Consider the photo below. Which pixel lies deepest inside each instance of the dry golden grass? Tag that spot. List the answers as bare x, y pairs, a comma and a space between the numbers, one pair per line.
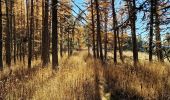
20, 67
74, 80
148, 81
84, 78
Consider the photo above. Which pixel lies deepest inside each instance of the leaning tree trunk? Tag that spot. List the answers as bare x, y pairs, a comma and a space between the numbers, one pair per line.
54, 35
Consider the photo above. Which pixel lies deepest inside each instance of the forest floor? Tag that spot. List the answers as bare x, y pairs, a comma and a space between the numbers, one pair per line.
80, 77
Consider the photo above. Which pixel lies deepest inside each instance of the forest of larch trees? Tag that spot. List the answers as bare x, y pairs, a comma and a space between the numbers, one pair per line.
84, 49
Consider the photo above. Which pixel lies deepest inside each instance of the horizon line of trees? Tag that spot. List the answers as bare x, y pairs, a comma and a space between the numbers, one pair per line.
33, 28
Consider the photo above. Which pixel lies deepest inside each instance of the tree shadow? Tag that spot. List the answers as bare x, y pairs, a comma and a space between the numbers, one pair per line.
121, 94
118, 93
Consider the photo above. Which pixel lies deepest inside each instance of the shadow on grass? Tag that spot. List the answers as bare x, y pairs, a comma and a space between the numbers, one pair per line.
118, 93
121, 94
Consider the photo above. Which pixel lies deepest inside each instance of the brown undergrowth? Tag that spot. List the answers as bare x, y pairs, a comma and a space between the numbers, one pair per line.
80, 77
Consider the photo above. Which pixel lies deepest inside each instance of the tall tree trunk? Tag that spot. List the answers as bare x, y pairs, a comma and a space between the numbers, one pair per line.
14, 30
30, 36
50, 31
42, 38
21, 33
1, 40
8, 37
11, 25
45, 39
97, 38
158, 35
98, 31
115, 30
54, 34
151, 32
93, 29
133, 18
28, 28
37, 27
105, 37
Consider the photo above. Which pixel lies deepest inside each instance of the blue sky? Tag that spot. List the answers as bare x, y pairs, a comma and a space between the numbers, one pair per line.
80, 4
139, 24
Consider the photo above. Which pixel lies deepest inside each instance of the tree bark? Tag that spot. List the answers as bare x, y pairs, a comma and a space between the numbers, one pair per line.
61, 40
8, 37
14, 30
11, 25
115, 30
132, 15
30, 47
151, 31
45, 39
98, 31
120, 46
105, 37
93, 29
158, 35
54, 34
1, 40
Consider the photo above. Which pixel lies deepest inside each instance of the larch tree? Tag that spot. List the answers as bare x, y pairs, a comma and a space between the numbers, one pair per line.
93, 28
105, 28
133, 29
132, 16
30, 54
151, 29
115, 30
45, 36
1, 39
14, 36
54, 34
99, 41
8, 35
157, 31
